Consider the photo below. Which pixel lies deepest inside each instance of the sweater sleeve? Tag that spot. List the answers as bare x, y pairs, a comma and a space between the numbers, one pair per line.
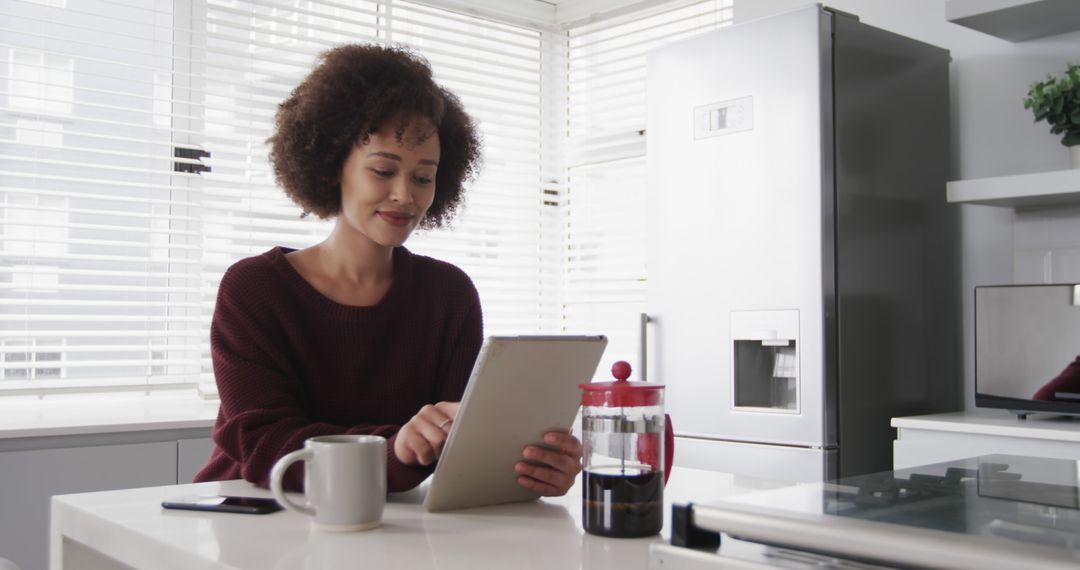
262, 414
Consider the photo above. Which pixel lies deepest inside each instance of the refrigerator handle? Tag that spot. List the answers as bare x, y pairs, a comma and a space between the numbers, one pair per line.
643, 347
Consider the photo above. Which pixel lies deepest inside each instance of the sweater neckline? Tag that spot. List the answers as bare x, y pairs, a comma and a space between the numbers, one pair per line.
402, 259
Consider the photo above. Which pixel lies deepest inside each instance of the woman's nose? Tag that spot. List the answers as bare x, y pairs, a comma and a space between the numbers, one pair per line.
401, 191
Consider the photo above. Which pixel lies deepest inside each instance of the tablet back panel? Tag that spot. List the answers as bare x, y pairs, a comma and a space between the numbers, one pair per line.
521, 387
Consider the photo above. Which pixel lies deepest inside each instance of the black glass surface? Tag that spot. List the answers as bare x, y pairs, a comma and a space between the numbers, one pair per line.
1029, 499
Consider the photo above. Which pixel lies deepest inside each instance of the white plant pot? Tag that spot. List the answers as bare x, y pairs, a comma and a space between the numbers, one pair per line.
1074, 156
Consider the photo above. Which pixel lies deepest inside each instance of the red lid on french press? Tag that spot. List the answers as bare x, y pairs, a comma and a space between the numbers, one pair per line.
620, 393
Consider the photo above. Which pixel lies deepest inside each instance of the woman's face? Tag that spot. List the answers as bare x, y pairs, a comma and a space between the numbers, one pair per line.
388, 185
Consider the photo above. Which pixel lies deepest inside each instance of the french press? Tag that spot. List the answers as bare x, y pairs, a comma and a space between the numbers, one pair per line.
625, 436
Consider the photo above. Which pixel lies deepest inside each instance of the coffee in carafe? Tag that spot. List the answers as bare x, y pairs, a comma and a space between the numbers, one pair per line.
627, 452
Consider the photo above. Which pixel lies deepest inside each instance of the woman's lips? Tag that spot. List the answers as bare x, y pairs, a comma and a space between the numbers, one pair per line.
395, 218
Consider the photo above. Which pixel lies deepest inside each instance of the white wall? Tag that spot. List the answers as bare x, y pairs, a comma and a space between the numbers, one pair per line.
992, 135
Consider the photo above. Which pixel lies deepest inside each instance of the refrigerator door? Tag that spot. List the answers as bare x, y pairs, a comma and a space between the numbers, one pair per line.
739, 134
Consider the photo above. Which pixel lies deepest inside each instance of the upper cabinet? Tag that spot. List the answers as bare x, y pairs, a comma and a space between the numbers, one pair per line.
1016, 20
1036, 190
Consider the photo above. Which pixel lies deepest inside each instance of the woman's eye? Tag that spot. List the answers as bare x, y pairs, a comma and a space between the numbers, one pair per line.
382, 173
424, 180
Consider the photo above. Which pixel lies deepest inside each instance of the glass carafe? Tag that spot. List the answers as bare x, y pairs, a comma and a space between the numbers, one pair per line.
627, 451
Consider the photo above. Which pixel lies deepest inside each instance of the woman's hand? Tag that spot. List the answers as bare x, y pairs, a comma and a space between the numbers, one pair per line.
550, 471
420, 441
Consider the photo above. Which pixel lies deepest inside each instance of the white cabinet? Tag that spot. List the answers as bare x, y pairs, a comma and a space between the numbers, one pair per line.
33, 469
71, 446
191, 455
921, 440
29, 478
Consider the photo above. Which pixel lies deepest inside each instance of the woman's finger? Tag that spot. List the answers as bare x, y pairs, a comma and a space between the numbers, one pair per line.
543, 480
449, 409
433, 436
555, 459
425, 453
441, 415
565, 442
421, 439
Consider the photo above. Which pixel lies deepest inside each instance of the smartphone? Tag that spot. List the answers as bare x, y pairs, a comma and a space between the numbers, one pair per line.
224, 504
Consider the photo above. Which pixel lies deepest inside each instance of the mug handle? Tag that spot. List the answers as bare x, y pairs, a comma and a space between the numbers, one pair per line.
278, 472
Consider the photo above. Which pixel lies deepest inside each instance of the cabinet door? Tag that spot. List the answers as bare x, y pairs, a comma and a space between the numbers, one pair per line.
29, 478
915, 447
191, 455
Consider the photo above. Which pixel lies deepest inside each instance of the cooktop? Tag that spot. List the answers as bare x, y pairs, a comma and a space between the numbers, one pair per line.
990, 511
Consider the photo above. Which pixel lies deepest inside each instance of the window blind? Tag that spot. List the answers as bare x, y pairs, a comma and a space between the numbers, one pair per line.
257, 51
498, 239
133, 172
604, 265
98, 265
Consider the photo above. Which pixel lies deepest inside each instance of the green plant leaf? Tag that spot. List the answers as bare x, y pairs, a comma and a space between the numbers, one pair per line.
1057, 101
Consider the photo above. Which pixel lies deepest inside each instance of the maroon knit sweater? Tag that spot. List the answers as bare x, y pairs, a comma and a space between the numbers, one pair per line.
292, 364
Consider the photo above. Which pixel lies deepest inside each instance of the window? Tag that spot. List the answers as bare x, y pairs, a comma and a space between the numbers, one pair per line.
40, 81
31, 360
44, 133
605, 273
498, 239
255, 55
133, 170
98, 261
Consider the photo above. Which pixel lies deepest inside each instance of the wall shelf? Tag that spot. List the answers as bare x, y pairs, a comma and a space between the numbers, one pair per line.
1036, 190
1015, 20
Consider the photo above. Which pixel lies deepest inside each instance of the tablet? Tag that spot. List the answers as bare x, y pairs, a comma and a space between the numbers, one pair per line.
521, 387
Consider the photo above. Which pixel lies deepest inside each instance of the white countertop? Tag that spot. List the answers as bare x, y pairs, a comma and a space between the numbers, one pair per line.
21, 417
996, 422
130, 526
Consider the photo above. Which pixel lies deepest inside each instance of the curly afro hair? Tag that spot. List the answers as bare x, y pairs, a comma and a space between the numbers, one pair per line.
352, 92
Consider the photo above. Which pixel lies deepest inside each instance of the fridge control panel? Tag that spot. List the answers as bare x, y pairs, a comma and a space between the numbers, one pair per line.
724, 117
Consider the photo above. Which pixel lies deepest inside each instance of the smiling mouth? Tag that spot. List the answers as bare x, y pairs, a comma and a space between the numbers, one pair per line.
395, 219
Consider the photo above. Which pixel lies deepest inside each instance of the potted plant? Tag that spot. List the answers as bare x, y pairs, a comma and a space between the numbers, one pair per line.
1057, 101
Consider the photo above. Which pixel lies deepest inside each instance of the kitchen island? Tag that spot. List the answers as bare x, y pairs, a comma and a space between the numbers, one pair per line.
993, 511
129, 529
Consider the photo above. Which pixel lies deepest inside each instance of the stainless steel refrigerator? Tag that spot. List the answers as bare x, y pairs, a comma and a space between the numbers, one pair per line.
803, 262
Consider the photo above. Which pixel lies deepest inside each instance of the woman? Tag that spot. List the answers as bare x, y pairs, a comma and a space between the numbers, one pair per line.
356, 334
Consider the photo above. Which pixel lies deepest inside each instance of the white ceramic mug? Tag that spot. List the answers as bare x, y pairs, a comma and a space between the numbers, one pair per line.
344, 481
